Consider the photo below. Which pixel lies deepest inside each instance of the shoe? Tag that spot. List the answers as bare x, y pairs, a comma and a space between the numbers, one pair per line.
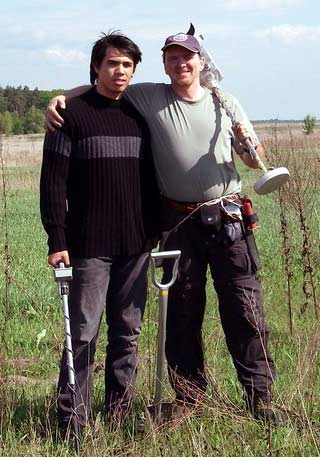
266, 412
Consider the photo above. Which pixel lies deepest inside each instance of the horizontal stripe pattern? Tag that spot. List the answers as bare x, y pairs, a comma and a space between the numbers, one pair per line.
100, 147
58, 142
100, 163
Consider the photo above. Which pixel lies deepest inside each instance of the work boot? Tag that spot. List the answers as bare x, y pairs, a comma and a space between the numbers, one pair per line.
265, 411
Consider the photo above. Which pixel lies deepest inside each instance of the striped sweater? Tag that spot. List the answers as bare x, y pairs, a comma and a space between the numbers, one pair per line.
98, 195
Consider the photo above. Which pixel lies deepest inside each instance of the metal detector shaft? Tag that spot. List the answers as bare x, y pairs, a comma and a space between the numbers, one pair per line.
63, 275
210, 77
163, 305
211, 84
252, 151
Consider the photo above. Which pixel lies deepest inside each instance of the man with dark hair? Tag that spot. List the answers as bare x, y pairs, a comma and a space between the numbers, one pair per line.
98, 207
193, 144
115, 40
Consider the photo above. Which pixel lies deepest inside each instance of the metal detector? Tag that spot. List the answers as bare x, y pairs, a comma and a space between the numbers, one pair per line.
156, 410
210, 77
63, 275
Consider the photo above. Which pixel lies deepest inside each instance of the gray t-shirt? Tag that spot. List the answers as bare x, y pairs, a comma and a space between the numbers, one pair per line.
191, 142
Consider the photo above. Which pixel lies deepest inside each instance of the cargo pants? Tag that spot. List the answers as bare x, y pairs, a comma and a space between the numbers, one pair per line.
233, 269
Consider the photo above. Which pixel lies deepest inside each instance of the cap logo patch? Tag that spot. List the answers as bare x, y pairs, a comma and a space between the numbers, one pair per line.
180, 37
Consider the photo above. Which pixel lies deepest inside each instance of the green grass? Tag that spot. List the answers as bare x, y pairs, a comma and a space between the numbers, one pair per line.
31, 327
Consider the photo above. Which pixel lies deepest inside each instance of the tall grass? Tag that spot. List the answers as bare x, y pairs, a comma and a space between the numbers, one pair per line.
32, 333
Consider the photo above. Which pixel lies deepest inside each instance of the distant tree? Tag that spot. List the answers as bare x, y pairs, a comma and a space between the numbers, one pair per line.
21, 109
3, 104
33, 121
6, 123
309, 124
17, 124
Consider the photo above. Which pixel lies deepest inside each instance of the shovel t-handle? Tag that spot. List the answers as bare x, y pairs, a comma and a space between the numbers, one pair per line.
175, 255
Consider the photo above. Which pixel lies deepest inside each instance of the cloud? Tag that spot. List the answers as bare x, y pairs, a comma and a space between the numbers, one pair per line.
256, 5
293, 35
65, 55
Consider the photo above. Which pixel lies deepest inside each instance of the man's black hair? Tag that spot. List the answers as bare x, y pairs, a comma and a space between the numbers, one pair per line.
116, 40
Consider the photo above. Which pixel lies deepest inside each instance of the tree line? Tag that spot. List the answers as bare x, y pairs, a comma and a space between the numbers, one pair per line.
22, 109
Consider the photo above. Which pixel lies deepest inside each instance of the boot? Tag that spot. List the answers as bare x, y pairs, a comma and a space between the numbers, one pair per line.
264, 410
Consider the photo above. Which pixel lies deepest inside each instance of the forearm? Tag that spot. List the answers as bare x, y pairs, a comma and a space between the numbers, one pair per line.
53, 190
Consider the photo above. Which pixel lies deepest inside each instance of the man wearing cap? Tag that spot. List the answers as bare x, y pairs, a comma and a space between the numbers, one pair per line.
193, 142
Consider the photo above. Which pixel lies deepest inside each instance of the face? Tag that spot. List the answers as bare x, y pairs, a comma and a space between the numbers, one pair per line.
182, 66
114, 73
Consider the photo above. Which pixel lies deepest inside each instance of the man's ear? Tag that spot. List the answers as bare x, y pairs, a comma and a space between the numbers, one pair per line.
96, 69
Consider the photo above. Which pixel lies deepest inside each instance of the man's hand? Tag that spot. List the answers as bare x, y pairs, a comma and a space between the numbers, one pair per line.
53, 119
56, 257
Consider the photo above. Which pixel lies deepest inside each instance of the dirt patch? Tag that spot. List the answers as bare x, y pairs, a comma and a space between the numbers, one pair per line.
21, 150
17, 363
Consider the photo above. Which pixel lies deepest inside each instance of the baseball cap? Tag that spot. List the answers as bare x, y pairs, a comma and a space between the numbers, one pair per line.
184, 40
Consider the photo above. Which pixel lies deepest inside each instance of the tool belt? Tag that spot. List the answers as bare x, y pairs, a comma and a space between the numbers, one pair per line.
211, 214
188, 207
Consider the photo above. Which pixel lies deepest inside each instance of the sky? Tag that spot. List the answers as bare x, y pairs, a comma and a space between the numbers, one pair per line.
267, 50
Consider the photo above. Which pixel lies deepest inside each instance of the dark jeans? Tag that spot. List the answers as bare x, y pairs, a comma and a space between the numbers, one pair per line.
234, 275
120, 285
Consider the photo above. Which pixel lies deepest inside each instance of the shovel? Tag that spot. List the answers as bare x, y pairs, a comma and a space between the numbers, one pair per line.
156, 410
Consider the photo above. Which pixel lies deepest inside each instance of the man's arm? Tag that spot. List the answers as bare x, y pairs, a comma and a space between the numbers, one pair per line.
140, 95
53, 119
53, 193
243, 132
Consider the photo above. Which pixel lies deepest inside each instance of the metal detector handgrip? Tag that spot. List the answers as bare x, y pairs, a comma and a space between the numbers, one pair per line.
160, 256
63, 275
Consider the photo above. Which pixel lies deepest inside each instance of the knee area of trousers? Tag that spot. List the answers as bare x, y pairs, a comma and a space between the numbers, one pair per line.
124, 333
188, 287
255, 320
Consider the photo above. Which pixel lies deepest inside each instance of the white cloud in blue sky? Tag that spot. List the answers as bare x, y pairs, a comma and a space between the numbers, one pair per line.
267, 49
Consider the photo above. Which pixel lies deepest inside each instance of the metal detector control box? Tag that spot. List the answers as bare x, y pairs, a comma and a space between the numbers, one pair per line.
62, 273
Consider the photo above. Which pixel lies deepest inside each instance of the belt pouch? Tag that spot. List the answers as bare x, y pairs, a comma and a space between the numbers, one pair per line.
211, 216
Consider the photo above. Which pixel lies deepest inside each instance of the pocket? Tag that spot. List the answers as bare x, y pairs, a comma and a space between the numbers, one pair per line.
240, 264
253, 252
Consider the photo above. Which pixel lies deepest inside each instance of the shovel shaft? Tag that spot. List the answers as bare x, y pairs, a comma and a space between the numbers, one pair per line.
163, 305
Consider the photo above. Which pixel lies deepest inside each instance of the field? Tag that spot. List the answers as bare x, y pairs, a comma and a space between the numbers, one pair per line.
31, 326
